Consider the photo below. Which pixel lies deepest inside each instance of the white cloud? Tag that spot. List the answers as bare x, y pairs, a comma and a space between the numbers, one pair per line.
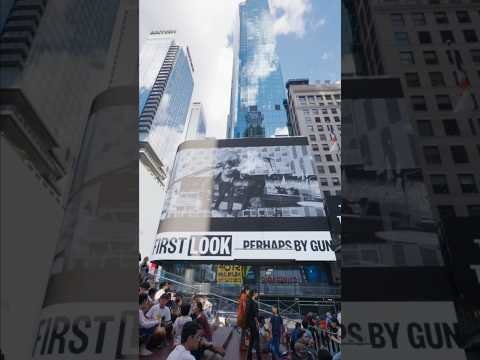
290, 16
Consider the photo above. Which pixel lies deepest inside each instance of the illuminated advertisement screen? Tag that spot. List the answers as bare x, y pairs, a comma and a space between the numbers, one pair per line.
243, 199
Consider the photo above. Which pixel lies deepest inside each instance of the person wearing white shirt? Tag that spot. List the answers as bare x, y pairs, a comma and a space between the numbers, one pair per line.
161, 313
180, 322
190, 341
147, 327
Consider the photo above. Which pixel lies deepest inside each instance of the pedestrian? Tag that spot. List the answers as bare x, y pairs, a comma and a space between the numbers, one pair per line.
253, 324
242, 316
189, 341
276, 329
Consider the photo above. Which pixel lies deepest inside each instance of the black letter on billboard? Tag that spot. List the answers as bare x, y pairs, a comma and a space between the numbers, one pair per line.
101, 331
59, 335
80, 334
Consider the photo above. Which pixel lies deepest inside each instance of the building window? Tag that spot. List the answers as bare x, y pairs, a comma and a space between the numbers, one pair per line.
310, 128
317, 157
336, 118
413, 80
277, 107
475, 54
473, 210
315, 147
336, 181
430, 57
302, 100
401, 38
323, 181
432, 155
406, 58
443, 102
467, 183
332, 169
418, 19
313, 138
334, 111
424, 128
463, 17
459, 154
446, 211
318, 119
451, 127
436, 79
311, 100
315, 112
397, 19
470, 35
328, 97
320, 127
326, 119
441, 17
439, 184
328, 157
418, 103
447, 36
323, 137
324, 111
424, 37
321, 169
336, 96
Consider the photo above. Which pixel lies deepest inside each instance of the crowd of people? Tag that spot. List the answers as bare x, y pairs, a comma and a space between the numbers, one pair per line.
313, 338
167, 320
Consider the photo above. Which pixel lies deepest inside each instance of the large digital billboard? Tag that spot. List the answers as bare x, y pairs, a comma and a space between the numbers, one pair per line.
244, 199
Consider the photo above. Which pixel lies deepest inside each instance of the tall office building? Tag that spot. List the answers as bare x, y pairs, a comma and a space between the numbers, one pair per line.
197, 126
433, 46
256, 108
166, 87
314, 112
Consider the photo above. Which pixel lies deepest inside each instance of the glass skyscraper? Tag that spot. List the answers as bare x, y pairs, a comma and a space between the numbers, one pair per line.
258, 90
166, 87
197, 127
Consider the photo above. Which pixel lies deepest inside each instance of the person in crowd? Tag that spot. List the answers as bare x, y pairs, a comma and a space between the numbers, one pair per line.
147, 327
144, 287
180, 321
162, 313
164, 286
195, 299
151, 295
144, 267
177, 306
335, 332
276, 329
202, 320
190, 339
300, 352
252, 324
296, 335
241, 316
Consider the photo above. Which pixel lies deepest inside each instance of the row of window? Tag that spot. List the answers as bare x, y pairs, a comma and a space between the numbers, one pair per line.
324, 111
330, 169
467, 182
425, 37
324, 181
326, 119
450, 127
313, 99
446, 211
444, 103
441, 18
431, 57
458, 152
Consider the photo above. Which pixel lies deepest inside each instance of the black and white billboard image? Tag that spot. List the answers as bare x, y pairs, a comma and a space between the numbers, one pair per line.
249, 199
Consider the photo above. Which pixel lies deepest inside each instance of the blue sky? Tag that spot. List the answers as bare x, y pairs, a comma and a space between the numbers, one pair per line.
317, 54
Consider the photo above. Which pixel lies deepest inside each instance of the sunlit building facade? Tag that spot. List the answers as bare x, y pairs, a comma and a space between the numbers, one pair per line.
256, 108
196, 127
165, 92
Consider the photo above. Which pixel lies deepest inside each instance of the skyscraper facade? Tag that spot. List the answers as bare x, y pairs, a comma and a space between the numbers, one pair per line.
314, 111
256, 108
196, 127
166, 87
